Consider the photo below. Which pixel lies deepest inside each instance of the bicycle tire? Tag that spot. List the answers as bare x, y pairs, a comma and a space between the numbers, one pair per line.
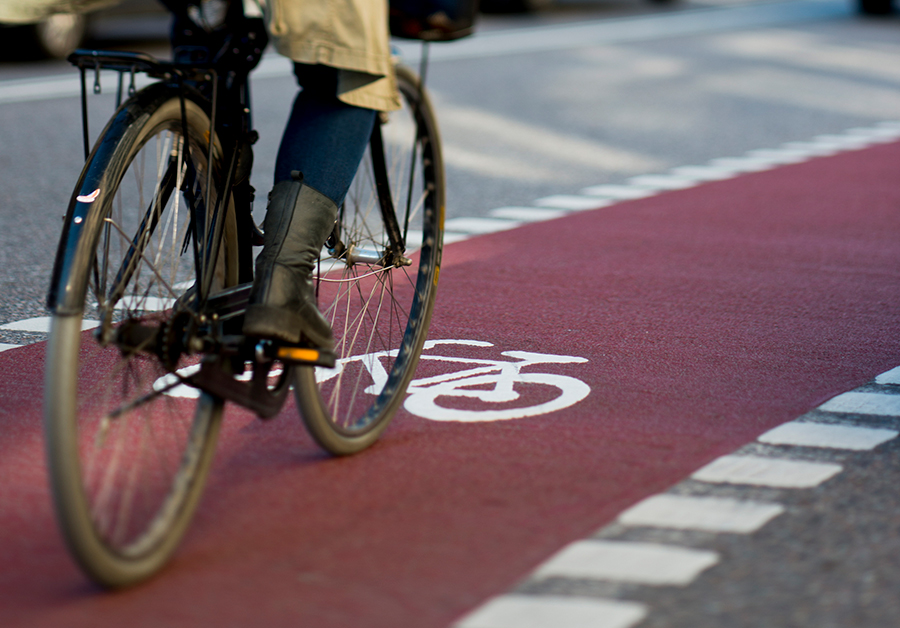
128, 450
380, 314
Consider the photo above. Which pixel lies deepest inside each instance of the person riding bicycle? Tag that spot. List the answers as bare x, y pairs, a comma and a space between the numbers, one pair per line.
342, 63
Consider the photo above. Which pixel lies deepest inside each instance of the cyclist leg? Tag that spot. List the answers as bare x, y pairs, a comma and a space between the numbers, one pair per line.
320, 151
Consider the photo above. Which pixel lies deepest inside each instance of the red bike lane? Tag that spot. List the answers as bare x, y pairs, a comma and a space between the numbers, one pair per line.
706, 316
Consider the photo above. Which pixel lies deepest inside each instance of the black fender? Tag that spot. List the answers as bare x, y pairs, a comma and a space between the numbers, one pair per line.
93, 195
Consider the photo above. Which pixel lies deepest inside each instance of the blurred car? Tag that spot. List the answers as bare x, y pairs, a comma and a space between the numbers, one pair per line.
57, 34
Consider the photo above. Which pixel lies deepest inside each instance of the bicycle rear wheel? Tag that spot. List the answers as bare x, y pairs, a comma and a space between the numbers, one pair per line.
379, 311
129, 444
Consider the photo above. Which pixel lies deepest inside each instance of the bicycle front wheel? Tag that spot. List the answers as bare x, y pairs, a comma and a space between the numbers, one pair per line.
128, 443
379, 310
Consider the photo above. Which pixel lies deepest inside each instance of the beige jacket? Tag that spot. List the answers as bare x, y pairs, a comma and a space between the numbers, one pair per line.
351, 35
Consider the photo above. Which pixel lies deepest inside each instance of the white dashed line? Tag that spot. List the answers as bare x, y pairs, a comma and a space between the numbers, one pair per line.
479, 225
663, 182
743, 164
527, 214
813, 149
41, 324
705, 173
757, 471
889, 377
572, 202
618, 192
846, 142
626, 561
527, 611
450, 238
806, 434
711, 514
864, 403
781, 155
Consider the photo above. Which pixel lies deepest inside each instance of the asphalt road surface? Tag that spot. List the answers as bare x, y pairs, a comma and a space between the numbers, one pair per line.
698, 319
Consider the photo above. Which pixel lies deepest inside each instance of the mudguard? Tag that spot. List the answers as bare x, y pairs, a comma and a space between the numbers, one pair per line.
93, 195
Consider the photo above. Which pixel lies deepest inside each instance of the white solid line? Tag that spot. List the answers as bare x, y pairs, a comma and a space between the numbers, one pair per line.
479, 225
41, 324
546, 611
773, 472
575, 203
642, 563
527, 214
712, 514
663, 182
618, 192
6, 347
864, 403
804, 434
889, 377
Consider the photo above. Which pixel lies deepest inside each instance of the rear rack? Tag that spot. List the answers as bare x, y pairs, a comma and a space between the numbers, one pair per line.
132, 63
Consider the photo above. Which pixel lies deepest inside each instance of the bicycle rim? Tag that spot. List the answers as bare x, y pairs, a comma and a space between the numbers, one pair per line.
128, 444
379, 313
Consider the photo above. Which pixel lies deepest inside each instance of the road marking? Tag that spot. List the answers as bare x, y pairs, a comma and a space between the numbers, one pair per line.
814, 149
704, 173
806, 434
41, 324
773, 472
889, 377
527, 214
6, 347
711, 514
618, 192
743, 164
864, 403
781, 155
525, 611
626, 561
663, 182
480, 225
575, 203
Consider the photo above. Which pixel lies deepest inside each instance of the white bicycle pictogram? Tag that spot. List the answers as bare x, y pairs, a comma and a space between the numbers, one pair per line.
490, 382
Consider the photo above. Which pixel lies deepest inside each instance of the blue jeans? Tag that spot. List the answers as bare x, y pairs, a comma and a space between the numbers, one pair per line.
325, 138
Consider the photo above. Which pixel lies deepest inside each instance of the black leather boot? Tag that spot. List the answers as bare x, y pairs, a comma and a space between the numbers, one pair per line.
282, 301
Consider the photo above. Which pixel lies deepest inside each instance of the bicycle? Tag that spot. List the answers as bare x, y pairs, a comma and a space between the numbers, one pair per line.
151, 280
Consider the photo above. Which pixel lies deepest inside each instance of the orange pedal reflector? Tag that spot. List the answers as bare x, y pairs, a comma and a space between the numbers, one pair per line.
298, 354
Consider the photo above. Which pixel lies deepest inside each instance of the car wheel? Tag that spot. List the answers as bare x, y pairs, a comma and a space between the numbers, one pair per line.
59, 34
